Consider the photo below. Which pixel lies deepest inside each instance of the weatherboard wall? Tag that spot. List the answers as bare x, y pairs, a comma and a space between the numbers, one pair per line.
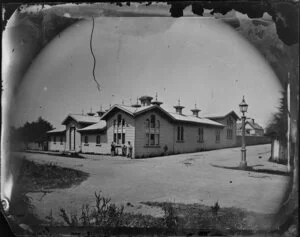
166, 135
92, 146
129, 130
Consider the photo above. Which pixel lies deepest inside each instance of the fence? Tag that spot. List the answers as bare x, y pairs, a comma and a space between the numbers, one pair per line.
253, 140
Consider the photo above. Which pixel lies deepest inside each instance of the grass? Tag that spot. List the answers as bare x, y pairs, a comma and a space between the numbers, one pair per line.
219, 220
35, 177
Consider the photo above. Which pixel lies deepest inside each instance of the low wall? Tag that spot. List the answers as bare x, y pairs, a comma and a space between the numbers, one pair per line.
253, 140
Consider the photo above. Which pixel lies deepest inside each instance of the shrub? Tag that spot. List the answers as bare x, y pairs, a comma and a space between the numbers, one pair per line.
103, 214
170, 218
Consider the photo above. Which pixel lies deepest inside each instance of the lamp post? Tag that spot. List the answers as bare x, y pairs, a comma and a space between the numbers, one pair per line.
243, 109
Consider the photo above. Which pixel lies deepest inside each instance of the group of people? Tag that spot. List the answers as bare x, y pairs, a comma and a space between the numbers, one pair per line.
126, 150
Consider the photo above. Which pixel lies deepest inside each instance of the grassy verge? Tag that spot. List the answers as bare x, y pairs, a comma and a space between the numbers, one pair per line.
35, 177
216, 219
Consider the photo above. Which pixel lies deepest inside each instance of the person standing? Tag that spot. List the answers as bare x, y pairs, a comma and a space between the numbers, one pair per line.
129, 150
124, 150
113, 149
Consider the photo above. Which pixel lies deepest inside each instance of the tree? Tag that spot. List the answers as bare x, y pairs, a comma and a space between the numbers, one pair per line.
277, 128
34, 131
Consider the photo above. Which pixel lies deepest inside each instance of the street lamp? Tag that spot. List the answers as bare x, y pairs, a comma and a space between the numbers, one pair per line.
243, 109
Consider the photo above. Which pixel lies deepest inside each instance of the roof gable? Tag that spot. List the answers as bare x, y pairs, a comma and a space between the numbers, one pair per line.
174, 117
232, 113
79, 118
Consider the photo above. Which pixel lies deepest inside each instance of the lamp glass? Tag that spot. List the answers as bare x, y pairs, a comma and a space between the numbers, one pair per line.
243, 106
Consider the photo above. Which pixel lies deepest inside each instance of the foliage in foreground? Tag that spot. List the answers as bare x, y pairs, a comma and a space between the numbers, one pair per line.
34, 176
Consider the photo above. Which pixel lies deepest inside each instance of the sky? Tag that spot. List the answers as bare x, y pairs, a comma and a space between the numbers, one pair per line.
196, 60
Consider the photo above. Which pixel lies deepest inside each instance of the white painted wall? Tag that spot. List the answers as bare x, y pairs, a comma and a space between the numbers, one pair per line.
57, 146
92, 147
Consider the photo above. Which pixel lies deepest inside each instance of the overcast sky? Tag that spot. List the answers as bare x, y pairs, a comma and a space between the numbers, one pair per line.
198, 60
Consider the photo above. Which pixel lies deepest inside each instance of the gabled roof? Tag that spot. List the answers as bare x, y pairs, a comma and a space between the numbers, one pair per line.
253, 125
173, 116
212, 116
60, 129
194, 119
97, 126
79, 118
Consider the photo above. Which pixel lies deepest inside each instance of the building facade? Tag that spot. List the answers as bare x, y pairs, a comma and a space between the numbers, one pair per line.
149, 128
251, 128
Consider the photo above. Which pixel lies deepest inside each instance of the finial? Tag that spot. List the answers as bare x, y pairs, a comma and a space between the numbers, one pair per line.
156, 96
179, 101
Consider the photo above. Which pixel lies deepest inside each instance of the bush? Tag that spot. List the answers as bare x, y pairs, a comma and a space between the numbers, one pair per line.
170, 219
103, 214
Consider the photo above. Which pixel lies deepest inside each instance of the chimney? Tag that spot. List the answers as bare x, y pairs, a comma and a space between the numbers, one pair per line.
253, 121
195, 111
100, 112
178, 108
91, 113
146, 100
137, 105
156, 102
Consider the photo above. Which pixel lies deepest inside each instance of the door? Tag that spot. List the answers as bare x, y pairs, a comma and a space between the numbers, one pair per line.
72, 139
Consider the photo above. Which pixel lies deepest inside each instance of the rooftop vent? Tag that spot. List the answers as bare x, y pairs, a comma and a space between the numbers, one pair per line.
178, 108
146, 100
156, 102
195, 111
91, 113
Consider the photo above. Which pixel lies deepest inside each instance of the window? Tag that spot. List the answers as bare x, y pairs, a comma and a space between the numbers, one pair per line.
230, 122
119, 120
123, 138
86, 139
61, 140
217, 136
98, 140
157, 124
152, 135
152, 121
119, 138
152, 139
229, 134
54, 139
147, 123
157, 139
200, 135
119, 130
180, 133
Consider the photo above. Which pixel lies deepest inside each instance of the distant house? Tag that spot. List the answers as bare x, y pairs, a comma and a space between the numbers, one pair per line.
150, 129
251, 128
57, 139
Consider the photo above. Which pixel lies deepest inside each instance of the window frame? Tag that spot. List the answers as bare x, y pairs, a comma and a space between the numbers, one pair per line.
86, 140
98, 139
